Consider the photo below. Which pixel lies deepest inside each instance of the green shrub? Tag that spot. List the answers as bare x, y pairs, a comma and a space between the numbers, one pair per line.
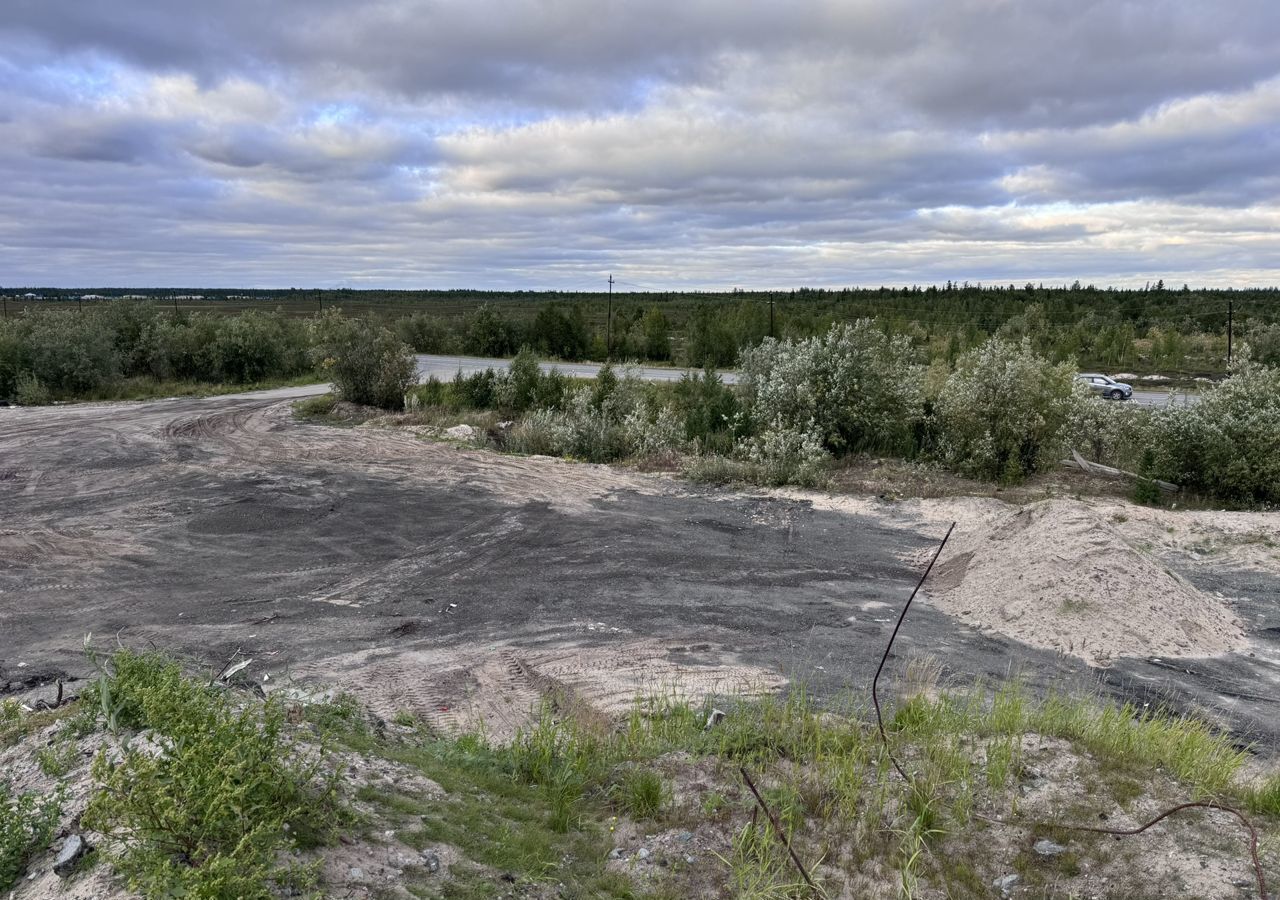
854, 388
206, 805
1225, 445
560, 333
27, 823
426, 334
525, 386
252, 346
489, 334
657, 334
1114, 434
479, 390
710, 410
315, 407
368, 364
70, 352
722, 470
1003, 413
787, 455
30, 390
12, 358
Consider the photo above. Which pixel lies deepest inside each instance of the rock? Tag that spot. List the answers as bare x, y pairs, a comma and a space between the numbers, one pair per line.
714, 719
430, 862
73, 850
461, 432
1048, 848
1005, 883
356, 874
684, 836
642, 853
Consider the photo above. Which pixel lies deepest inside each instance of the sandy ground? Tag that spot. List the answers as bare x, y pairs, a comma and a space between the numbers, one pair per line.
1057, 575
423, 575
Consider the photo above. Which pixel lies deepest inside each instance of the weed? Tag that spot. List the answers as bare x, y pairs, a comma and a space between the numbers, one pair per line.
641, 794
27, 822
57, 760
1001, 755
1265, 797
714, 804
204, 805
315, 407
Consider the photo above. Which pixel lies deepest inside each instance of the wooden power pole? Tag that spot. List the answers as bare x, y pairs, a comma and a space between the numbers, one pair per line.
608, 328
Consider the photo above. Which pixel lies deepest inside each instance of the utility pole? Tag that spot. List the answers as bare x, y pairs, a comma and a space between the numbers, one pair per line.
771, 332
608, 328
1230, 311
5, 298
320, 300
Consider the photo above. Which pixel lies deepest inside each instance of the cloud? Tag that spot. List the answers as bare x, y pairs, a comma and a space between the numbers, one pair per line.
689, 144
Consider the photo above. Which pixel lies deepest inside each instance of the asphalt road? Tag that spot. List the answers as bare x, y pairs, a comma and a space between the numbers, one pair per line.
446, 367
217, 526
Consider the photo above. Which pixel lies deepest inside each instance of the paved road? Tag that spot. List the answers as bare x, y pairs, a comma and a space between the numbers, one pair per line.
446, 367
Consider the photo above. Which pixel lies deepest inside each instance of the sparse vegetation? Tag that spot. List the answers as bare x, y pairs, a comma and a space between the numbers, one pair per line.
206, 797
567, 788
208, 793
27, 823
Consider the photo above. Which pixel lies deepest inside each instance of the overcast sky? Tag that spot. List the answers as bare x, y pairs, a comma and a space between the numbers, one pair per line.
675, 143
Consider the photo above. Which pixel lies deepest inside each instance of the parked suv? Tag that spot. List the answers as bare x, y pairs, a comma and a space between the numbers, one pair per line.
1106, 386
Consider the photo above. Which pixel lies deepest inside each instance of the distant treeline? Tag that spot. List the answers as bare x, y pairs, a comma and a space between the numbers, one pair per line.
72, 346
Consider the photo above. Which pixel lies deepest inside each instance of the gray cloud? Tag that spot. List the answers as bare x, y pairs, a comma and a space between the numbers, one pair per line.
688, 143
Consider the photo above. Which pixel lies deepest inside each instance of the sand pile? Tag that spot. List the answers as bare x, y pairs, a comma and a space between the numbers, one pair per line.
1059, 575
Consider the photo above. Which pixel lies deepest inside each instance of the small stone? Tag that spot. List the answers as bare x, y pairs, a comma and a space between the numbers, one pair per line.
461, 432
642, 853
73, 850
430, 862
1048, 848
714, 719
1005, 883
684, 836
615, 853
356, 874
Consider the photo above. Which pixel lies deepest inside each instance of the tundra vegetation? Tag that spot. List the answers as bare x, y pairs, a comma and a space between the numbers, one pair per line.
1001, 413
1156, 329
996, 404
199, 789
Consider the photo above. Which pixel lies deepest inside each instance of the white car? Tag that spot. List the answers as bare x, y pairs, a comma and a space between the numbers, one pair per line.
1106, 386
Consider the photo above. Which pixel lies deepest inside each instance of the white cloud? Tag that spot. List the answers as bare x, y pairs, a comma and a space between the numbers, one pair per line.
691, 143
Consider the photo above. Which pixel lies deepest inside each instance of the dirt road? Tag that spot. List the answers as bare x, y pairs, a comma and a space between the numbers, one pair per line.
428, 576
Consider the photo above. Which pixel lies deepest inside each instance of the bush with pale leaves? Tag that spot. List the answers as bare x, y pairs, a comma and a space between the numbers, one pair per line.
1003, 412
1228, 444
855, 387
